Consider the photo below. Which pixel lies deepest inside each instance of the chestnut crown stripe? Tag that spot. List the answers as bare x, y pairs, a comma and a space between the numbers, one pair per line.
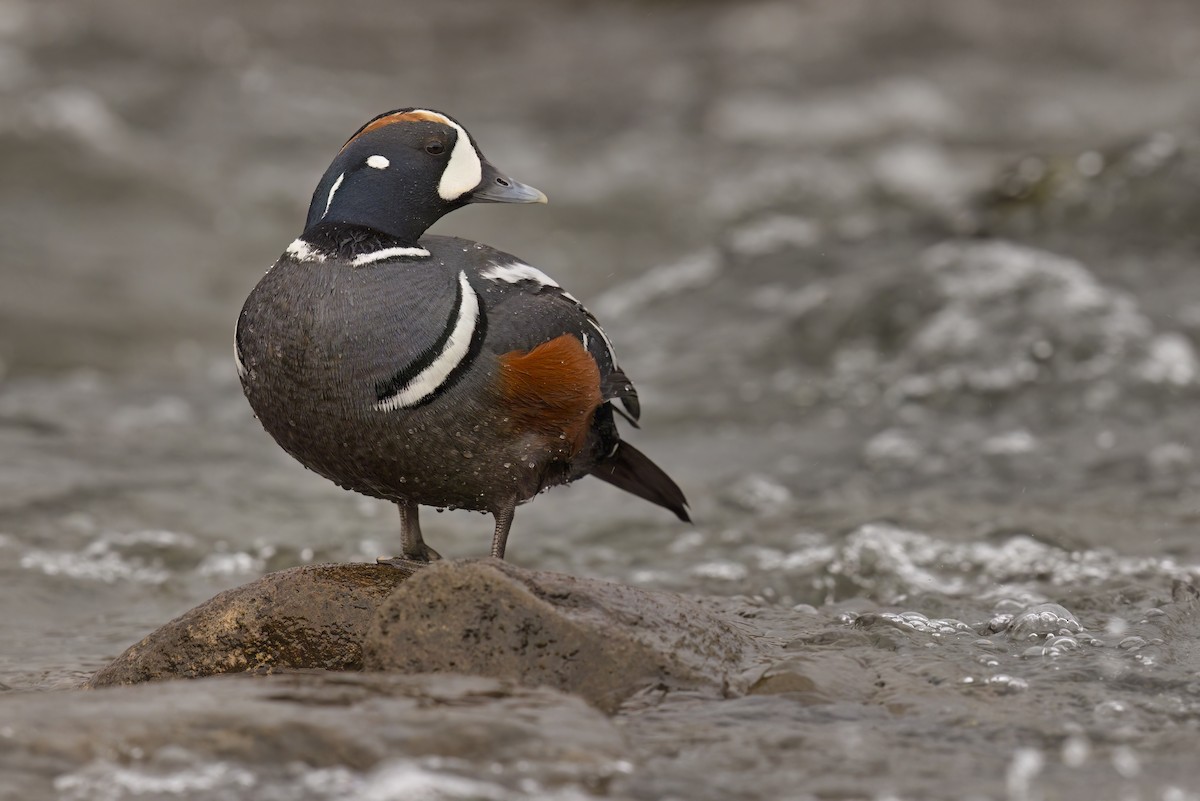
436, 368
413, 115
463, 171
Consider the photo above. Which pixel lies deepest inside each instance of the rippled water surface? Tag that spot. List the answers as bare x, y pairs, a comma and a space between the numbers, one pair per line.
909, 293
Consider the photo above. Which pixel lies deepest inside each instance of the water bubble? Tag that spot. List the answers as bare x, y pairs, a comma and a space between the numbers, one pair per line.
758, 493
1062, 643
1110, 711
1126, 762
917, 622
1090, 163
725, 571
999, 622
1043, 620
1173, 793
1026, 765
1006, 684
1075, 751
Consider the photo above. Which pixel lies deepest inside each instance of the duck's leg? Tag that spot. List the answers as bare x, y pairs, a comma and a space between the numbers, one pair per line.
413, 550
504, 518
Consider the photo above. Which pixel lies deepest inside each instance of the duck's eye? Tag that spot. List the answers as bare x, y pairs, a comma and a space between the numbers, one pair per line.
435, 148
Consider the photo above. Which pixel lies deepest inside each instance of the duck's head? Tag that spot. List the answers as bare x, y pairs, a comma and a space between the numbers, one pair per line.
400, 172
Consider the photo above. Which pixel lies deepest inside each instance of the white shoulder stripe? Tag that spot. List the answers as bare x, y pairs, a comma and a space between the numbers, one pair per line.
516, 272
429, 380
303, 251
389, 253
612, 352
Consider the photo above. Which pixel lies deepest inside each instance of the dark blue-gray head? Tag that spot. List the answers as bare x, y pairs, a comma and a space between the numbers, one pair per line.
404, 170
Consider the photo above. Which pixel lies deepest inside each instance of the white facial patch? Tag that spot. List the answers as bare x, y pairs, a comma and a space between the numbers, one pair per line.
464, 171
379, 162
517, 272
333, 191
429, 380
303, 251
389, 253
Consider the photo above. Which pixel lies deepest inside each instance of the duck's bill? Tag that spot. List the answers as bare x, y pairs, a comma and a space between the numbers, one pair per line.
499, 188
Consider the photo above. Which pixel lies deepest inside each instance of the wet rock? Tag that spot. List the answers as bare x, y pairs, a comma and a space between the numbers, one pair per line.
307, 617
601, 640
262, 728
819, 677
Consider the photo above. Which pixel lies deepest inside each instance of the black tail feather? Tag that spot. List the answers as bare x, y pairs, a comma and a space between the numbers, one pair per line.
631, 470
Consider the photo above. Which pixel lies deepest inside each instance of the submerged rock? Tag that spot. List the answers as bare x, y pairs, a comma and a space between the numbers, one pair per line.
306, 617
234, 735
601, 640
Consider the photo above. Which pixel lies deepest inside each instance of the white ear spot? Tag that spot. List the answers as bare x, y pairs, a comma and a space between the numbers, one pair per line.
379, 162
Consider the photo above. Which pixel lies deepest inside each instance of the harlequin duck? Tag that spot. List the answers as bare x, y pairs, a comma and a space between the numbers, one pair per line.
431, 370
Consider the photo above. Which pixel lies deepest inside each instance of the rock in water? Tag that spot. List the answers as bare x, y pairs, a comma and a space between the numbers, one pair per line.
241, 737
306, 617
598, 639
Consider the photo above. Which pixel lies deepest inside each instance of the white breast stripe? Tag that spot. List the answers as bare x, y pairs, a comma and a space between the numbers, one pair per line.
464, 171
332, 191
388, 253
429, 380
237, 358
517, 272
303, 251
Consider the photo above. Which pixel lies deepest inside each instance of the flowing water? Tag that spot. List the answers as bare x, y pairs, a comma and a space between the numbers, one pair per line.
909, 294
